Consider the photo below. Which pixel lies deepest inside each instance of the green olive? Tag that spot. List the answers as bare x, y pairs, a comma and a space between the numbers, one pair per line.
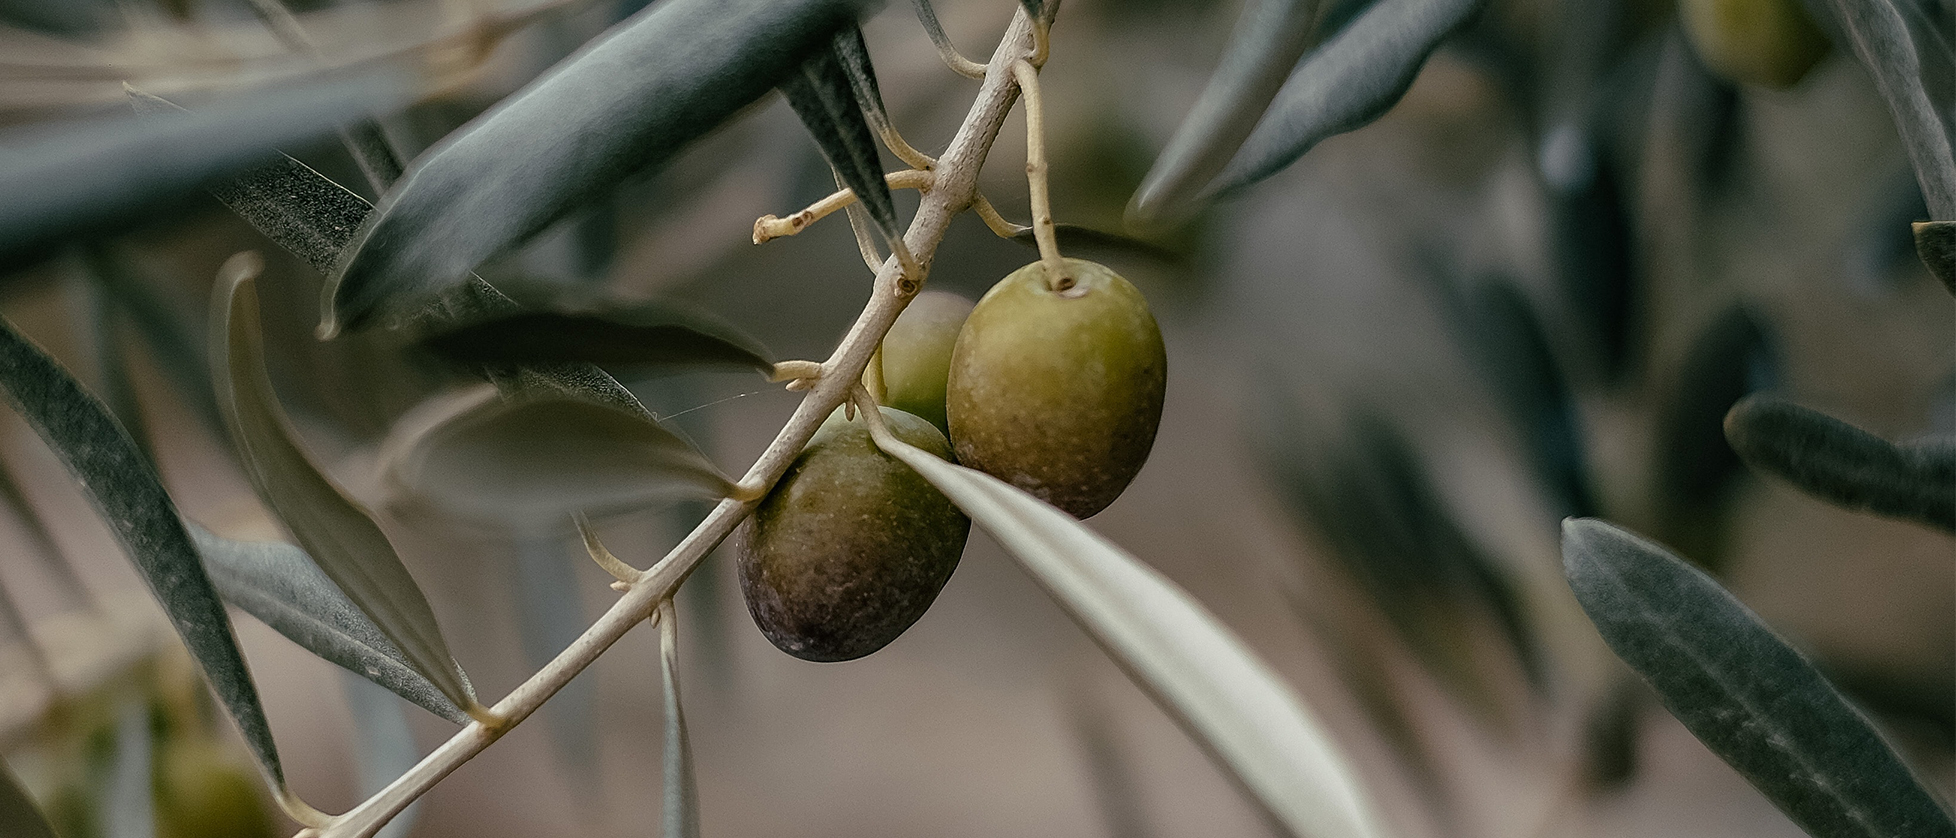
1765, 42
851, 546
1059, 392
202, 793
917, 355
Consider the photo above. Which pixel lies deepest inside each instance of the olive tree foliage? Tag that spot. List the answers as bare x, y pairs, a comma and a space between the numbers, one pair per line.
549, 436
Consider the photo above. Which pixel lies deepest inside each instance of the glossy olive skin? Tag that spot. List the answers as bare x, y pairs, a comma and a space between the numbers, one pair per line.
851, 546
1772, 43
202, 793
917, 355
1059, 392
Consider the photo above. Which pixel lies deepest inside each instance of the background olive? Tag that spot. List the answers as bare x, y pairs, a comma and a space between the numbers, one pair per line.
851, 547
917, 355
202, 793
1765, 42
1059, 392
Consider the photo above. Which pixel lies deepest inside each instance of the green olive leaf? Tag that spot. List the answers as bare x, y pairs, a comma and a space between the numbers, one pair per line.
827, 98
281, 586
1881, 40
1844, 465
332, 528
122, 484
1345, 83
642, 334
627, 101
852, 53
1731, 356
19, 817
1743, 691
1269, 38
534, 461
1177, 651
1935, 243
104, 174
682, 794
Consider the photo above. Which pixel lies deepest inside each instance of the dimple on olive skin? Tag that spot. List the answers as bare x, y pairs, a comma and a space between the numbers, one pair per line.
851, 546
1058, 390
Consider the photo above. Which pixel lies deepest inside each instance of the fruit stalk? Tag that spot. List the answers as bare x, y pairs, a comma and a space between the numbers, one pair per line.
955, 185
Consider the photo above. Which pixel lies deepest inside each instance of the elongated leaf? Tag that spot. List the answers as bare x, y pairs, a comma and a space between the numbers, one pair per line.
682, 795
1268, 39
124, 487
19, 817
1935, 242
1881, 40
852, 52
173, 338
643, 335
627, 101
108, 173
384, 746
535, 461
1344, 84
1845, 465
1732, 356
825, 96
281, 586
1181, 654
1742, 691
339, 535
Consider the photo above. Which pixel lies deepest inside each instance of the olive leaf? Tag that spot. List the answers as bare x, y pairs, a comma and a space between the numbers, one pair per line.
627, 101
1881, 40
643, 334
332, 528
1935, 242
826, 98
682, 794
171, 334
1593, 246
19, 817
852, 52
1345, 83
98, 176
1269, 38
384, 746
1743, 691
1844, 465
281, 586
1731, 356
1174, 649
125, 489
536, 460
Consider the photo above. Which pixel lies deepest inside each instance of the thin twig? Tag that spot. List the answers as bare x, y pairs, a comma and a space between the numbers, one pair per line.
1002, 228
945, 49
1042, 204
768, 227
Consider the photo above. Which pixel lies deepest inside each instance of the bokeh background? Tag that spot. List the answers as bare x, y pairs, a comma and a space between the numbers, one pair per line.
1530, 291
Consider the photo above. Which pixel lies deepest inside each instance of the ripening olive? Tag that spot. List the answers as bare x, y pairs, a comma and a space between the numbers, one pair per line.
1765, 42
202, 793
917, 355
1058, 392
851, 546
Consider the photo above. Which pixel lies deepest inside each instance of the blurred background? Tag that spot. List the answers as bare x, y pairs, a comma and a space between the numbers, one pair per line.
1530, 291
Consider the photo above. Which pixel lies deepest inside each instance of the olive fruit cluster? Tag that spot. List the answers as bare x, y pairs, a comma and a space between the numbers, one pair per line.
1053, 386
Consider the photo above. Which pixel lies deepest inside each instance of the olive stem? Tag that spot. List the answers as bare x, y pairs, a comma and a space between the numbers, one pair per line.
1002, 228
768, 227
956, 182
1042, 204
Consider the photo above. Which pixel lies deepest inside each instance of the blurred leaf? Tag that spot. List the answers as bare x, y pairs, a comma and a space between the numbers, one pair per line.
824, 95
1935, 242
1742, 691
1733, 355
682, 795
1880, 37
1844, 465
129, 805
171, 334
1512, 348
852, 52
339, 535
1593, 243
627, 101
1269, 37
550, 617
1183, 656
281, 586
19, 817
124, 488
1034, 8
1345, 83
384, 746
534, 461
98, 176
644, 334
45, 548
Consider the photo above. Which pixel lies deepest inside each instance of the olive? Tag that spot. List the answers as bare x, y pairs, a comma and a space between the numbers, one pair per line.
851, 546
202, 793
917, 355
1772, 43
1056, 387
